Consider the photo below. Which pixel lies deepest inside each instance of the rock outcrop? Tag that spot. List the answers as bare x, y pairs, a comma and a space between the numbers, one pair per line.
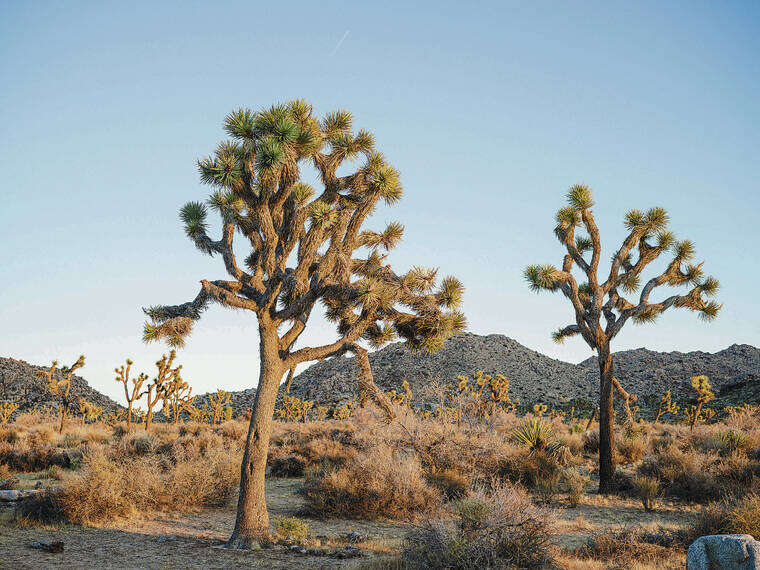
724, 552
19, 383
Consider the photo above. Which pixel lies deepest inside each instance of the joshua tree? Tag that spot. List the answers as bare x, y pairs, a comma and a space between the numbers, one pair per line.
304, 249
157, 389
695, 413
666, 406
62, 387
6, 411
593, 298
217, 402
177, 398
90, 411
131, 395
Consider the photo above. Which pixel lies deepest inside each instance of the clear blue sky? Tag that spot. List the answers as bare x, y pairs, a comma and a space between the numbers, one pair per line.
490, 113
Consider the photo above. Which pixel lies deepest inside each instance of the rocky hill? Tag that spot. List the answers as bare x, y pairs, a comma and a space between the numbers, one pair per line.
646, 372
19, 383
534, 377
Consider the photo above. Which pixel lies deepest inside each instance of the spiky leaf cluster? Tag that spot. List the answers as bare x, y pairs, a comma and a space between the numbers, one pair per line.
306, 245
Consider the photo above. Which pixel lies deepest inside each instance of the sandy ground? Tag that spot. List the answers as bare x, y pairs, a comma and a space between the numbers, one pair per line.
190, 540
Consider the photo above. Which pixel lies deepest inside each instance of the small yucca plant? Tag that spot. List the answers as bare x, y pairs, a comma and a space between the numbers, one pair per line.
536, 435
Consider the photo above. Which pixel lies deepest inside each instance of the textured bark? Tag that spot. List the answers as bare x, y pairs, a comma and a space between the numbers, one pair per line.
606, 431
252, 522
367, 386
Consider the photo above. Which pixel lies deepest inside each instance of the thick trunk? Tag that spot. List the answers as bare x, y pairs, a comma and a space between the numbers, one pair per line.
129, 416
63, 419
252, 522
606, 432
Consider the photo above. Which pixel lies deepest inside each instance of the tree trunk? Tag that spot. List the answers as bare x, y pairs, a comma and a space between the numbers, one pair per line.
252, 522
606, 432
63, 419
129, 416
367, 386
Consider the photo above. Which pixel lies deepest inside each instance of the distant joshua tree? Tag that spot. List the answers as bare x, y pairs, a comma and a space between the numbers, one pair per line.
158, 389
131, 394
177, 398
61, 388
593, 299
304, 249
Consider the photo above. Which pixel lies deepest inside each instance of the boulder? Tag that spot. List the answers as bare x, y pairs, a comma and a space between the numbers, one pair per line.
724, 552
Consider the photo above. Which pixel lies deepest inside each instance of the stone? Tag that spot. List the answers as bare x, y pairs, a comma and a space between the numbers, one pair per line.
724, 552
56, 547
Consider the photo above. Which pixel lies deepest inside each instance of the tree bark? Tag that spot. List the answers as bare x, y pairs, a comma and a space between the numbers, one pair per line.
606, 432
252, 522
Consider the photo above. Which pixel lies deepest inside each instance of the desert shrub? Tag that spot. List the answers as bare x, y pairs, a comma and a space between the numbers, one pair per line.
734, 440
39, 436
576, 484
736, 516
496, 529
452, 483
622, 547
646, 489
42, 508
136, 444
233, 429
289, 466
9, 434
292, 528
529, 468
28, 459
631, 450
684, 474
591, 441
120, 486
547, 487
378, 483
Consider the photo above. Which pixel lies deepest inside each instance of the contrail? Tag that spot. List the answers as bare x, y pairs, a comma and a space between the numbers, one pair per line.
340, 43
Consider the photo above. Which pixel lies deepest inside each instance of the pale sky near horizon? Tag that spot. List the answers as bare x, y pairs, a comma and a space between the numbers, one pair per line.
489, 112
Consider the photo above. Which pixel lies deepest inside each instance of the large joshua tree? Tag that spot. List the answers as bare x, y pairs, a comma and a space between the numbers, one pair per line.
594, 299
303, 248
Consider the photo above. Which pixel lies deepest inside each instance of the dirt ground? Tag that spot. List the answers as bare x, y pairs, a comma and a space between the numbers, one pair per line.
174, 540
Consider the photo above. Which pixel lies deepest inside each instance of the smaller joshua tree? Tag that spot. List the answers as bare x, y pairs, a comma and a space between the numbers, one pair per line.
667, 406
177, 395
217, 402
131, 394
156, 389
90, 410
696, 413
600, 305
61, 388
6, 411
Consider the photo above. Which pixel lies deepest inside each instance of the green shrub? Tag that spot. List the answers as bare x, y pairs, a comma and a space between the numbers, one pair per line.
292, 528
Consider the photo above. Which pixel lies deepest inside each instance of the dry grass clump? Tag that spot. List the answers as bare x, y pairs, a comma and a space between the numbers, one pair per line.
500, 528
297, 447
107, 488
735, 516
684, 474
377, 483
623, 547
452, 483
28, 459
